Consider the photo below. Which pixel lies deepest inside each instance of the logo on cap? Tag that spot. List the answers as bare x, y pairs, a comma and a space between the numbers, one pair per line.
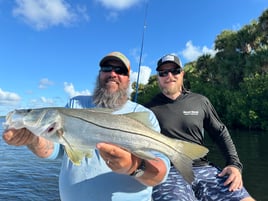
168, 58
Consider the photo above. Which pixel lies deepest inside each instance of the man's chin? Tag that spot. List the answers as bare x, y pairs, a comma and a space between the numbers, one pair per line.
112, 87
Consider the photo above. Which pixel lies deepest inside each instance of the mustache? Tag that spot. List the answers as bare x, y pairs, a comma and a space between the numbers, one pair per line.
111, 79
103, 98
171, 80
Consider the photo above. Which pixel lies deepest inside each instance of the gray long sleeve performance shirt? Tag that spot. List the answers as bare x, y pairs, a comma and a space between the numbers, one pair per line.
188, 116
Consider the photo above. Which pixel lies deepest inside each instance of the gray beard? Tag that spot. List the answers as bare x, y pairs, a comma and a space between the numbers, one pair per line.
103, 98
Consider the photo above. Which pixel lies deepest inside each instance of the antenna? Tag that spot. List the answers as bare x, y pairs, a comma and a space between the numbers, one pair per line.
138, 77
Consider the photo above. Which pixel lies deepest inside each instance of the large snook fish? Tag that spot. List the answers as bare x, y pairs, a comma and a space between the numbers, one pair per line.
79, 130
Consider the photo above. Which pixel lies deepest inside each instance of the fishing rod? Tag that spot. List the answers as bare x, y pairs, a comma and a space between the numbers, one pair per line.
142, 41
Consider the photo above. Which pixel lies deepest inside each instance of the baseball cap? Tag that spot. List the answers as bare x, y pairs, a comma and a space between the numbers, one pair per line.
118, 56
169, 58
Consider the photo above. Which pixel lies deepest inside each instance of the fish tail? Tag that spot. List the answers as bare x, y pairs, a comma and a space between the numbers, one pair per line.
183, 155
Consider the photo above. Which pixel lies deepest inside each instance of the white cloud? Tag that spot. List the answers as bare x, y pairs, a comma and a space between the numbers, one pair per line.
236, 27
70, 90
40, 102
145, 73
118, 4
42, 14
112, 16
44, 102
48, 101
44, 83
82, 10
135, 52
8, 98
192, 52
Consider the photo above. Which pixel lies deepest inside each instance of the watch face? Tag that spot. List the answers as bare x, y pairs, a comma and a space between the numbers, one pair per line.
140, 170
139, 173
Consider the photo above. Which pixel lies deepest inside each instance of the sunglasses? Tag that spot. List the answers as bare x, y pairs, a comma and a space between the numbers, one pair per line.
173, 71
117, 69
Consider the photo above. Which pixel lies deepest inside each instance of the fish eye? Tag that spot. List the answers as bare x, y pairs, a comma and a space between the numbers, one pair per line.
50, 129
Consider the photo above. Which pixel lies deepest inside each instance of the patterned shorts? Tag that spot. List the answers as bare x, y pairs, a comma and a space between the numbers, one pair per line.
207, 186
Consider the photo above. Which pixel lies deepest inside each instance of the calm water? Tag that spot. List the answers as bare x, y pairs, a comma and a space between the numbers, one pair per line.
25, 177
253, 153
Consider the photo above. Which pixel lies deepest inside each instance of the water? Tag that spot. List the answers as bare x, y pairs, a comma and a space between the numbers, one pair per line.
24, 177
253, 153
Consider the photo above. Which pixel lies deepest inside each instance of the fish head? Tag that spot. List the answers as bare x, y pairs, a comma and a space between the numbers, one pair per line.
44, 122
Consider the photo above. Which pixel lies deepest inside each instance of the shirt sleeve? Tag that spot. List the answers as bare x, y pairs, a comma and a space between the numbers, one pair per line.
221, 136
57, 152
166, 160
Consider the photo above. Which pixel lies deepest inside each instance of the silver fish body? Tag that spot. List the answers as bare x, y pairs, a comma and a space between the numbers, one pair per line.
79, 130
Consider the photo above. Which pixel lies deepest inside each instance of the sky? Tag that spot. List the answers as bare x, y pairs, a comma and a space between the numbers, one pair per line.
50, 49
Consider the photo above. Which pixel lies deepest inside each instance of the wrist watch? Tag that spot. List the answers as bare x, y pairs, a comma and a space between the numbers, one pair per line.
140, 170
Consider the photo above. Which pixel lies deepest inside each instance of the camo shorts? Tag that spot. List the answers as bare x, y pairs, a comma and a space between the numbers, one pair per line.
207, 186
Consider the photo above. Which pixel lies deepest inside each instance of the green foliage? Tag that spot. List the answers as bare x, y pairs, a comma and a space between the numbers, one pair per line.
255, 111
146, 92
235, 79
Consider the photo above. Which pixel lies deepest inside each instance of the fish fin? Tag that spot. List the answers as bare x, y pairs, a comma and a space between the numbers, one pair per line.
88, 154
75, 156
186, 152
191, 150
184, 165
142, 117
144, 155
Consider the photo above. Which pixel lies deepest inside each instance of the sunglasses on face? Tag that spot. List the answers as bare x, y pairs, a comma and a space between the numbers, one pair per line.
117, 69
173, 71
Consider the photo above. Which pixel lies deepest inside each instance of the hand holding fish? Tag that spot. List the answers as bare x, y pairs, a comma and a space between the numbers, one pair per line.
38, 145
118, 159
19, 137
124, 162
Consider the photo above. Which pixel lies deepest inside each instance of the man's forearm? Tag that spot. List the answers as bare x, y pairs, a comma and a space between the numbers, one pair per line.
41, 147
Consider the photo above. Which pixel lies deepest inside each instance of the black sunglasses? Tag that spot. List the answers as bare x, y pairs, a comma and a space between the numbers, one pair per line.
117, 69
173, 71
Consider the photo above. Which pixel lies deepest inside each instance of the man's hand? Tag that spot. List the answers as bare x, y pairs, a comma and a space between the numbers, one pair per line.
19, 137
38, 145
118, 159
235, 178
124, 162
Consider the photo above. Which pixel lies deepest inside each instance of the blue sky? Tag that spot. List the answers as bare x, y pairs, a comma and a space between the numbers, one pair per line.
50, 49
